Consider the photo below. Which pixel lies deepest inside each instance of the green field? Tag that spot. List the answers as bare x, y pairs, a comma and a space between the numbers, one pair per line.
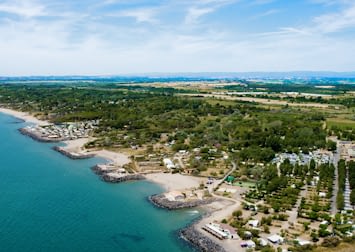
244, 184
341, 123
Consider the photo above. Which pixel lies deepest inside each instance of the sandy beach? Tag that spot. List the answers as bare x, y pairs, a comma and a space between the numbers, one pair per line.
111, 156
173, 182
71, 145
170, 182
24, 116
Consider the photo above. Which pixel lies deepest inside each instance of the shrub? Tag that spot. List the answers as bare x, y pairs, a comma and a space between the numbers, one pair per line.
330, 242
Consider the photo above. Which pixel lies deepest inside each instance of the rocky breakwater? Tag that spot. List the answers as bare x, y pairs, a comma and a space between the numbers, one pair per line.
116, 177
102, 169
160, 200
114, 174
200, 241
39, 137
73, 155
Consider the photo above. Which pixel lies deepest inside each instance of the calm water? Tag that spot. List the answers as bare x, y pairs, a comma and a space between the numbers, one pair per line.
51, 203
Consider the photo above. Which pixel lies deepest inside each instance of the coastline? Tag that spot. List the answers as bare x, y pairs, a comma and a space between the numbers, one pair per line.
199, 238
172, 182
71, 145
193, 233
76, 146
23, 116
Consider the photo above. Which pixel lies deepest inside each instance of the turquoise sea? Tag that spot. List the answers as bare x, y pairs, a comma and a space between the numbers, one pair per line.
51, 203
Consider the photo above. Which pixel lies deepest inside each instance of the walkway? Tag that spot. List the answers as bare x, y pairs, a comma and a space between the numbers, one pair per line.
336, 158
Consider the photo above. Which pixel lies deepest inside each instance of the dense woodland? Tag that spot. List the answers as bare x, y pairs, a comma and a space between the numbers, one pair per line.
136, 117
311, 86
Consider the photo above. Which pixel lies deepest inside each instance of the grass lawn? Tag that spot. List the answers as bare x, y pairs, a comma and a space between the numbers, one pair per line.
244, 184
341, 123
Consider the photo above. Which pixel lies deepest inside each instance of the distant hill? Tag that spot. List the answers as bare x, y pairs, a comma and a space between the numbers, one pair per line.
169, 77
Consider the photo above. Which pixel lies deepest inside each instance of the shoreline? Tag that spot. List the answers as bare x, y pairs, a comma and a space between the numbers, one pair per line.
195, 235
193, 232
23, 116
173, 182
70, 145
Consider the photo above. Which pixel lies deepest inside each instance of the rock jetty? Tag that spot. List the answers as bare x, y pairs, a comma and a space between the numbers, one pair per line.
117, 178
161, 201
73, 155
200, 241
114, 174
101, 169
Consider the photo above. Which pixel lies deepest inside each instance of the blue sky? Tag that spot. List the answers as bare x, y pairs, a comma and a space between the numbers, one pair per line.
104, 37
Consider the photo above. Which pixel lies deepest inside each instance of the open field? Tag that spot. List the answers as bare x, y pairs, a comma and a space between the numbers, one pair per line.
244, 184
263, 101
341, 123
343, 247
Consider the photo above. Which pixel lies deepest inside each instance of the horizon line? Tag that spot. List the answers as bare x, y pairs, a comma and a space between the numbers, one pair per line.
193, 74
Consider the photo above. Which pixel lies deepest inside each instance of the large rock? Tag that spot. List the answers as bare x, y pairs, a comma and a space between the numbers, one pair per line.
203, 243
161, 201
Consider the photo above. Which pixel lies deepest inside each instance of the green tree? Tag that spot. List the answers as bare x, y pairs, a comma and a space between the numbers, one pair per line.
352, 197
238, 213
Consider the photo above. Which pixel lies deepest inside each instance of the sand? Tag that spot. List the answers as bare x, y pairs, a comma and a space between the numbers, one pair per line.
24, 116
219, 210
71, 145
172, 182
115, 157
77, 145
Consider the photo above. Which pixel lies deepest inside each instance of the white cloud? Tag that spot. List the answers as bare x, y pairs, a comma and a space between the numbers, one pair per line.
266, 13
141, 15
84, 42
201, 8
261, 2
27, 9
194, 13
334, 22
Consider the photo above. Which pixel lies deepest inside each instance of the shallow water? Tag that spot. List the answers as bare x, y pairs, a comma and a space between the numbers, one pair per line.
51, 203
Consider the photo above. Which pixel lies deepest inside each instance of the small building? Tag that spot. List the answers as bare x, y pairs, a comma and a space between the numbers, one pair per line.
276, 239
168, 163
262, 242
322, 194
174, 196
121, 170
247, 244
215, 230
302, 242
253, 223
248, 235
230, 179
229, 230
351, 153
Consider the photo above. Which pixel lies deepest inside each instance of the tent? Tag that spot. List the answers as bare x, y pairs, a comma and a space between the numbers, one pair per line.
230, 179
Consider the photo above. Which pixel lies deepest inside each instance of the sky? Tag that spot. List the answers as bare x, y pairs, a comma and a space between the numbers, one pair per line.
109, 37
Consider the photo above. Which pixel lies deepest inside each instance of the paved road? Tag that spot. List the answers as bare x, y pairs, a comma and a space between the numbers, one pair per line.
336, 158
216, 183
294, 212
